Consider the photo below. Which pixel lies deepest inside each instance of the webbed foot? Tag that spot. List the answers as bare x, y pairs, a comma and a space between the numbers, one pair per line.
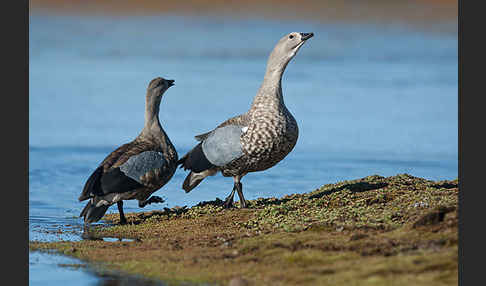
151, 200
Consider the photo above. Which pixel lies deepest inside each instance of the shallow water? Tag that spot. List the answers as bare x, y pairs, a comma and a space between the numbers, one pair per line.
367, 99
75, 272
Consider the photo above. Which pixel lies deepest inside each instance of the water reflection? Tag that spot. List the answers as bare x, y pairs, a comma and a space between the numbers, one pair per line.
118, 280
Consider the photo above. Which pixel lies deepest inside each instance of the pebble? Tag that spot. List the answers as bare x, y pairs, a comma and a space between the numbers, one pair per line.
421, 205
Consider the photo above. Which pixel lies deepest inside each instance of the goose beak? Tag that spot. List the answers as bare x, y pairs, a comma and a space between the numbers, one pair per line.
306, 36
171, 82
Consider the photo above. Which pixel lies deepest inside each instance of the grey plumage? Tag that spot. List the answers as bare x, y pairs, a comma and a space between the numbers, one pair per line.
134, 170
268, 131
223, 145
138, 165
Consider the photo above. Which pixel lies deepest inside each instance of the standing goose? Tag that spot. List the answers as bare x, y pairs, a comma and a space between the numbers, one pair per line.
253, 141
134, 170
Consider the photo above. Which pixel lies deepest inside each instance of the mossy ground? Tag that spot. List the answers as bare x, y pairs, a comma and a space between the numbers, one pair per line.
399, 230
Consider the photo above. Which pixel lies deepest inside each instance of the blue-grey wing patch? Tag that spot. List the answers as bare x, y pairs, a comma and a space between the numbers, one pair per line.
140, 164
223, 145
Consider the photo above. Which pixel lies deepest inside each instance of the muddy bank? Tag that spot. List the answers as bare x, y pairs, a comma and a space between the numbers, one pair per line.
399, 230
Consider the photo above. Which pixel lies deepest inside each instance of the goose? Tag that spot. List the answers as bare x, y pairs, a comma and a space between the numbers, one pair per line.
136, 169
254, 141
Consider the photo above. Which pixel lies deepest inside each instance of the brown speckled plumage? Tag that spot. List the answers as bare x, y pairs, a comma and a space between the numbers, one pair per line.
270, 133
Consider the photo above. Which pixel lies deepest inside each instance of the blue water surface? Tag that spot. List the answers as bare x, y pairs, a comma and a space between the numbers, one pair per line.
367, 99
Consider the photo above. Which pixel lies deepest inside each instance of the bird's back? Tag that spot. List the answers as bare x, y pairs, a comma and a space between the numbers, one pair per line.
136, 166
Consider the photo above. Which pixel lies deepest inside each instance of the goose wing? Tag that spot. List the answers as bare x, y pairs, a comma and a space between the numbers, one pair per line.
92, 186
223, 144
220, 147
240, 120
130, 167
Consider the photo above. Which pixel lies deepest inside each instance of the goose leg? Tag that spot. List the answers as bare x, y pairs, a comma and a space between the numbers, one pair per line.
86, 233
152, 199
123, 219
239, 189
228, 202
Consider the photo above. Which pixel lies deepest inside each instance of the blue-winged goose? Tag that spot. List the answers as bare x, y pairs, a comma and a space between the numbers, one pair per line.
135, 170
255, 140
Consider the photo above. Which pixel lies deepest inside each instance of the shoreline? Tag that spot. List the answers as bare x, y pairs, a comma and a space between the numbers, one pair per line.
418, 13
373, 230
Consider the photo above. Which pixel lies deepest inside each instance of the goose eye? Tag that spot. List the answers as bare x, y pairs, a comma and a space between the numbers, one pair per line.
291, 36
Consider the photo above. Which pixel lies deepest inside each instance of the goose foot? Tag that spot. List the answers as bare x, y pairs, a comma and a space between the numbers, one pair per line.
151, 200
87, 235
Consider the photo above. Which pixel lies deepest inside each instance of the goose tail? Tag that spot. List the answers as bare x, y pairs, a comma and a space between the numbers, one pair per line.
193, 179
199, 165
94, 210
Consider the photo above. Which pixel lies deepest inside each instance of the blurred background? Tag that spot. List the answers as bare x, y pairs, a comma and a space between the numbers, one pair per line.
373, 92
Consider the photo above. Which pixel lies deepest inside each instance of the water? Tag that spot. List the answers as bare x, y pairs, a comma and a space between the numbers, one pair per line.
74, 272
367, 99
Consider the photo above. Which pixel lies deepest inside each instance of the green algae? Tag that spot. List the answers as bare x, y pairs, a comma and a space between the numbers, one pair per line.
399, 230
372, 202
